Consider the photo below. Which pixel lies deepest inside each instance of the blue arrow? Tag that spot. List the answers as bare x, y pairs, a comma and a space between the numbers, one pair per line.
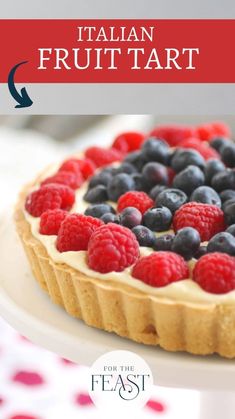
23, 100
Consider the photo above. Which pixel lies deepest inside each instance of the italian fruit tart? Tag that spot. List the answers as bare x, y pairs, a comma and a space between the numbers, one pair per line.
139, 238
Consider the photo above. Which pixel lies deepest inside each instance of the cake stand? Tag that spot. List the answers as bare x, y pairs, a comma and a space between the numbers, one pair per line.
29, 310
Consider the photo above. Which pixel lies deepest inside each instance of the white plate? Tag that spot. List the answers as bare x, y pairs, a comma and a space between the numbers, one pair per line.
29, 310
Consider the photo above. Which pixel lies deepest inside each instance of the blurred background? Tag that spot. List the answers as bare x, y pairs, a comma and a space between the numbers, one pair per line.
34, 383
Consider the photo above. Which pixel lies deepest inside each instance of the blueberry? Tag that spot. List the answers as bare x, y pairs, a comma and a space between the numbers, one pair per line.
126, 167
102, 178
157, 150
218, 142
224, 180
137, 159
140, 182
206, 195
97, 210
189, 179
157, 219
227, 194
144, 236
109, 217
164, 242
212, 167
228, 154
130, 217
222, 242
184, 158
228, 203
155, 191
155, 174
96, 194
229, 213
186, 242
201, 252
231, 229
171, 198
111, 170
120, 184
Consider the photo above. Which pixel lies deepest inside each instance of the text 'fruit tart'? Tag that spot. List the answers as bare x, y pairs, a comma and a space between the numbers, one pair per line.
139, 239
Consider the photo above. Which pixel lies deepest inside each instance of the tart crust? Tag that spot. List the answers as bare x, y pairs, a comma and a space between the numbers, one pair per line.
197, 328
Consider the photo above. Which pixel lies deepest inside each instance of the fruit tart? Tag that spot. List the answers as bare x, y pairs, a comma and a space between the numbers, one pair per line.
139, 238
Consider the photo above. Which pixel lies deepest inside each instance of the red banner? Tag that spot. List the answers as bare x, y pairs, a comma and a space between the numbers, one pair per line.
118, 51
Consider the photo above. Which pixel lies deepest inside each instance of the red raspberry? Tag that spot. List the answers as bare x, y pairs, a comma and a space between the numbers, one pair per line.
139, 200
173, 134
51, 196
103, 156
161, 268
128, 141
206, 151
84, 166
51, 220
73, 180
215, 273
207, 219
112, 248
75, 232
207, 131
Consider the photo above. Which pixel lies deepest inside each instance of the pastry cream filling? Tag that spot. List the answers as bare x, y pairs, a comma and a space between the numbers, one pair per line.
183, 290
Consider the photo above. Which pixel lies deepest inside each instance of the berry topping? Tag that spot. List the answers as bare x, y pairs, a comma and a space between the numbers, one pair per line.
96, 194
160, 269
208, 131
189, 179
171, 198
112, 248
139, 200
73, 180
126, 167
98, 210
51, 220
215, 273
204, 149
228, 154
227, 194
155, 191
51, 196
218, 142
157, 150
183, 158
186, 242
155, 174
102, 178
120, 184
158, 219
207, 219
222, 242
206, 195
109, 217
163, 242
173, 134
84, 166
231, 229
201, 252
229, 212
224, 180
103, 156
144, 236
128, 141
75, 232
213, 166
130, 217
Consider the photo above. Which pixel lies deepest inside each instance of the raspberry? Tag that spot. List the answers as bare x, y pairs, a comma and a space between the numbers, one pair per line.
84, 166
128, 141
173, 134
161, 268
215, 273
51, 196
139, 200
207, 219
75, 232
206, 151
112, 248
51, 220
103, 156
207, 131
73, 180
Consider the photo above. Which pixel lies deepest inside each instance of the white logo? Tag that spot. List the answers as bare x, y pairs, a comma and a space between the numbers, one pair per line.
120, 380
